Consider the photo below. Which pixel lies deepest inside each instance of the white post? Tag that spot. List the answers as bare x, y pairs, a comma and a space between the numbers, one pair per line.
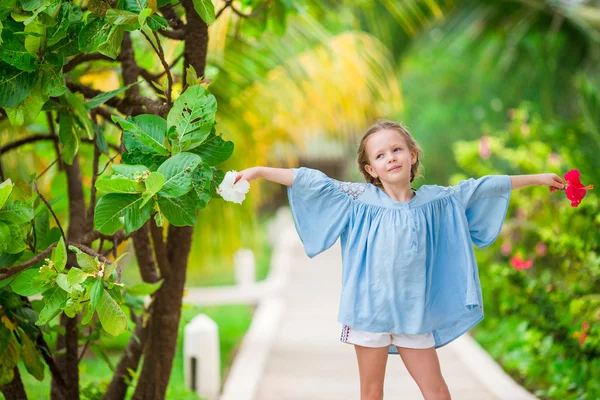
202, 362
245, 267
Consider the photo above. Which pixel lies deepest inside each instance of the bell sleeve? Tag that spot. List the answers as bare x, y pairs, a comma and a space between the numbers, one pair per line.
320, 209
485, 201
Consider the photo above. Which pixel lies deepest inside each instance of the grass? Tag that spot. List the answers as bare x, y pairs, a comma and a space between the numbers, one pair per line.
232, 320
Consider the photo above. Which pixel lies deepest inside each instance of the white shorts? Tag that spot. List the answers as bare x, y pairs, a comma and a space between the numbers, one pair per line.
385, 339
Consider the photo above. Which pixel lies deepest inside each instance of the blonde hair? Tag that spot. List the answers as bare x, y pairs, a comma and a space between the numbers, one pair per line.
363, 157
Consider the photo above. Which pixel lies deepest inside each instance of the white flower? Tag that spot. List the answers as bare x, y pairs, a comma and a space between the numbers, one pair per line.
235, 192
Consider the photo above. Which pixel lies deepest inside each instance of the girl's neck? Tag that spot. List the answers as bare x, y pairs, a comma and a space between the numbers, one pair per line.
399, 192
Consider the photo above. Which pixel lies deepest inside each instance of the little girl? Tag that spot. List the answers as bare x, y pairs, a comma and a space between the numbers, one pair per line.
410, 281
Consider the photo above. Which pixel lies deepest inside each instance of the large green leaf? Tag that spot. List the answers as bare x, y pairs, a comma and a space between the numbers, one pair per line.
80, 113
23, 283
26, 111
36, 33
15, 243
206, 10
147, 141
4, 236
179, 211
193, 115
67, 137
112, 46
214, 150
59, 30
67, 46
134, 172
201, 185
119, 185
15, 85
115, 205
96, 293
54, 299
144, 289
53, 81
5, 190
87, 263
121, 17
18, 212
8, 361
104, 97
95, 32
111, 316
60, 255
31, 357
154, 182
13, 49
178, 172
76, 276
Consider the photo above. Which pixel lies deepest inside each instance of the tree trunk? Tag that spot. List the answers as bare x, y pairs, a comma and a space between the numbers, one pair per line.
68, 363
164, 320
14, 390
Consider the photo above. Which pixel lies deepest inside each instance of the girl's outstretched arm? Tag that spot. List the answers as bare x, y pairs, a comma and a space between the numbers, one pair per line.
284, 176
553, 181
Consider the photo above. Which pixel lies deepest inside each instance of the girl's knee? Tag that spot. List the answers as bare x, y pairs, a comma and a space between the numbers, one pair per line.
439, 393
371, 392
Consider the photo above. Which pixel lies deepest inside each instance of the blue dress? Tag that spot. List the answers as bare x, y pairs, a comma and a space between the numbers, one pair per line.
407, 267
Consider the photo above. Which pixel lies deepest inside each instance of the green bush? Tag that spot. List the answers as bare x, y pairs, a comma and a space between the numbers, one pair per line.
541, 323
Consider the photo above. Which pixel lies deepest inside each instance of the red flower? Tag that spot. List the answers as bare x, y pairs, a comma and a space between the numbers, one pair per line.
519, 264
583, 333
575, 191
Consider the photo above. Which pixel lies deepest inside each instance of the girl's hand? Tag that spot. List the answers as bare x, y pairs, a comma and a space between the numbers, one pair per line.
553, 181
248, 174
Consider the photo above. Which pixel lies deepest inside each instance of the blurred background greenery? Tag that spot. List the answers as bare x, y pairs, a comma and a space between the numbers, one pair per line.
521, 74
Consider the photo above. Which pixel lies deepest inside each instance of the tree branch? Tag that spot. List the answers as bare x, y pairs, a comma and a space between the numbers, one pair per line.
39, 137
8, 272
143, 251
177, 34
81, 58
160, 248
161, 56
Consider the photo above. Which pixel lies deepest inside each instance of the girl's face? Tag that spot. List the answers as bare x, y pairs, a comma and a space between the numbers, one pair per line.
390, 159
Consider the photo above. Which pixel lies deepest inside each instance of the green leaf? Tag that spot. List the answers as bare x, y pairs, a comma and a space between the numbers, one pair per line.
87, 263
95, 32
37, 34
121, 17
133, 172
88, 313
31, 357
134, 5
18, 212
112, 46
28, 110
41, 228
67, 137
115, 205
54, 299
96, 293
193, 115
111, 316
145, 13
16, 242
156, 22
13, 49
5, 190
8, 361
148, 139
76, 276
179, 211
206, 10
75, 101
60, 255
178, 172
218, 176
23, 283
53, 81
5, 236
15, 85
154, 182
201, 180
214, 150
144, 289
104, 97
113, 184
62, 281
59, 30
